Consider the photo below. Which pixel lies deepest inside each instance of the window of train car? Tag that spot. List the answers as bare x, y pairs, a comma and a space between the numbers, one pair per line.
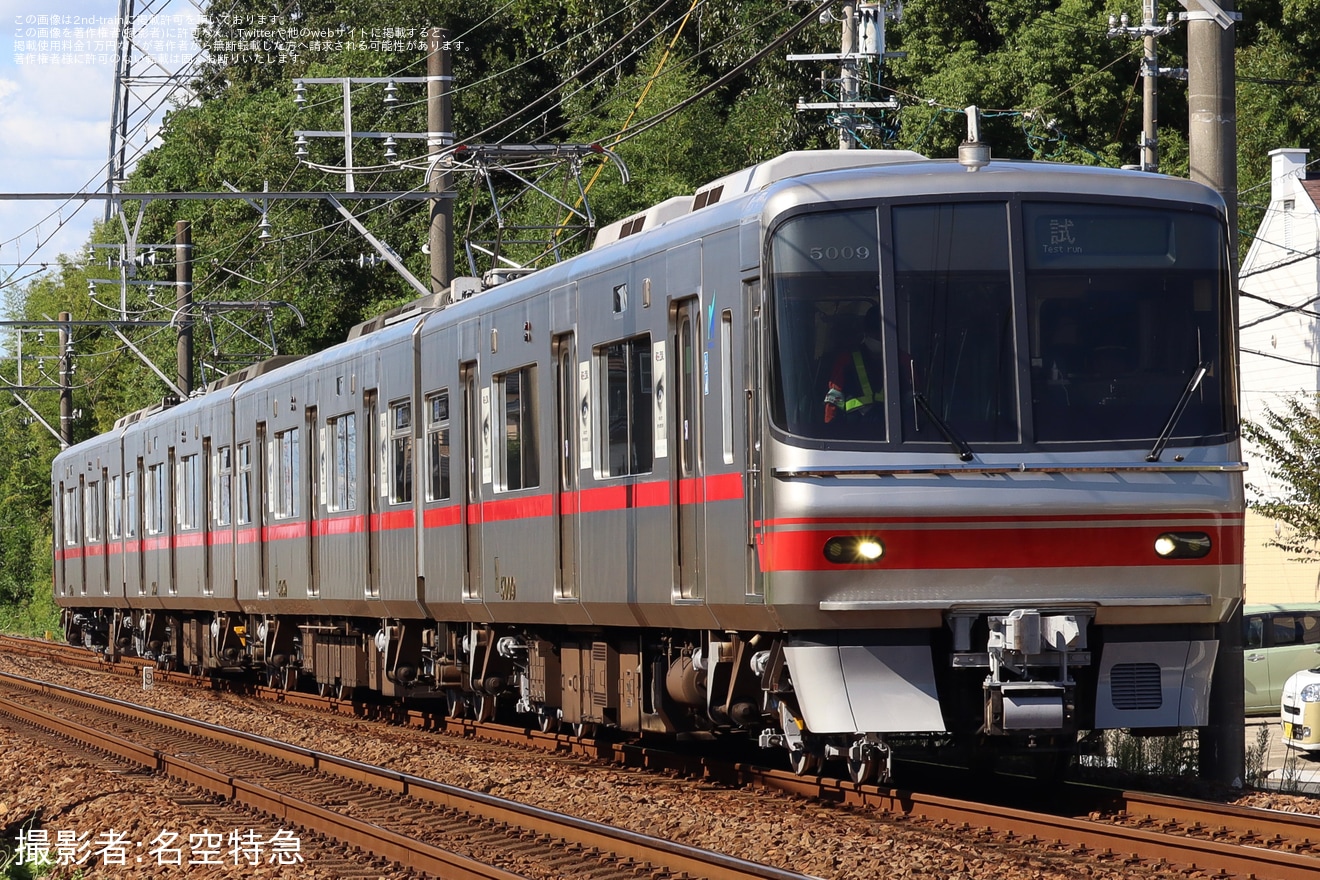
116, 524
1125, 305
72, 507
826, 283
954, 300
401, 453
243, 484
285, 464
224, 487
341, 475
520, 461
188, 491
153, 499
131, 503
437, 446
92, 511
625, 407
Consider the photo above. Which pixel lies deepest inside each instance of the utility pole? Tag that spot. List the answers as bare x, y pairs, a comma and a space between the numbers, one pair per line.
862, 47
440, 128
1212, 155
183, 304
1212, 100
848, 75
66, 380
1149, 32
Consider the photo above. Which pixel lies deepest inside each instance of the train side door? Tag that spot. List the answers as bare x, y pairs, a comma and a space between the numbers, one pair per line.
314, 499
755, 500
372, 484
687, 468
566, 406
103, 502
205, 505
476, 451
260, 509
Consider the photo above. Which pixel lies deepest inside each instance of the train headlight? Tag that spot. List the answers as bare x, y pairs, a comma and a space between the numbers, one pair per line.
1311, 693
1182, 545
853, 549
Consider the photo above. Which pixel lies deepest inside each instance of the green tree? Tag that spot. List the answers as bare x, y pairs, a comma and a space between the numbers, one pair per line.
1289, 441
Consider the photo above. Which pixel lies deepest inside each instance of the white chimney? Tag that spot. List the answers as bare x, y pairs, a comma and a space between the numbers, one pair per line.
1286, 165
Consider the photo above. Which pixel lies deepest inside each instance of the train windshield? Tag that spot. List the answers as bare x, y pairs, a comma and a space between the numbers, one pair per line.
910, 325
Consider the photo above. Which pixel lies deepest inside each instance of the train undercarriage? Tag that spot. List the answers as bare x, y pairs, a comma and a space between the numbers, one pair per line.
1020, 691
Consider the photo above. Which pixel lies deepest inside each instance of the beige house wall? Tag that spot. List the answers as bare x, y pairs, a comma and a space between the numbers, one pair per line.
1269, 576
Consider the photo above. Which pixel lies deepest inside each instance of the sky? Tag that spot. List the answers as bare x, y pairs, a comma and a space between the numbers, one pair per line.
55, 112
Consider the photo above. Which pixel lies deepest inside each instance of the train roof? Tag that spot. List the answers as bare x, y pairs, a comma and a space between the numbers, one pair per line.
768, 188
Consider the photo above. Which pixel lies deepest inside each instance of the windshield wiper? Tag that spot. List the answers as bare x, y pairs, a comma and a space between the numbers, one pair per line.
1192, 384
959, 444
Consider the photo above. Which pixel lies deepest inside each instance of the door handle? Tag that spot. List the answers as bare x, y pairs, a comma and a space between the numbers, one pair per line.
1257, 657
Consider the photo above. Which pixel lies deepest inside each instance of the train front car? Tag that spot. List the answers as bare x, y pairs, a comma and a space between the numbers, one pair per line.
1001, 497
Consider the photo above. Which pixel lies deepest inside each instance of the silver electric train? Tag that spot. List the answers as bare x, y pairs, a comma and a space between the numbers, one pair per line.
632, 490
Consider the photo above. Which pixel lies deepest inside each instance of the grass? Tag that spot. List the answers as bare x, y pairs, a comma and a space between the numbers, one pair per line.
1162, 756
36, 617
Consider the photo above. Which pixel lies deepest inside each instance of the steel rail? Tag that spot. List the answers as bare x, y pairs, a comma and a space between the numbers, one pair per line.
622, 844
1243, 859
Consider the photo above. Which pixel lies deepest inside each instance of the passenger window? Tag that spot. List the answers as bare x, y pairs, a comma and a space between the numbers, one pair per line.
72, 533
224, 469
92, 515
153, 499
1285, 628
244, 483
401, 452
341, 433
626, 406
437, 446
186, 474
521, 464
1310, 629
116, 528
285, 464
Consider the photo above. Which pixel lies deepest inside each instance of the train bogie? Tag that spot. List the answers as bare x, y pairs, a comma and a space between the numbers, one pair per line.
637, 490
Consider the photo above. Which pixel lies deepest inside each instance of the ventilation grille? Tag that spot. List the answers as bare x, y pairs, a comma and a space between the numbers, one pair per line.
708, 197
633, 226
1136, 686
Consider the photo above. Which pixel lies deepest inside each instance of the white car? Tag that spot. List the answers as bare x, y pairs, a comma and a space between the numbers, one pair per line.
1301, 712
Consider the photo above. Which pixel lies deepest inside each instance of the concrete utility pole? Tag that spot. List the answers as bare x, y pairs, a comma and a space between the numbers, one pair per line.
1212, 100
183, 304
440, 130
848, 75
66, 380
1212, 152
1149, 32
863, 47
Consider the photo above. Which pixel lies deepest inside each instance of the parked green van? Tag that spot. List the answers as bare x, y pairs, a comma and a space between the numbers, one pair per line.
1277, 640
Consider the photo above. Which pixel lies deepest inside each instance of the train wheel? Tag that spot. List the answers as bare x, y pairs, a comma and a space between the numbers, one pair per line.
802, 762
458, 704
547, 720
484, 710
584, 729
862, 770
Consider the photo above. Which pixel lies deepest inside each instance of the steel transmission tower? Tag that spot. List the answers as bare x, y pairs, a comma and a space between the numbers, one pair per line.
156, 57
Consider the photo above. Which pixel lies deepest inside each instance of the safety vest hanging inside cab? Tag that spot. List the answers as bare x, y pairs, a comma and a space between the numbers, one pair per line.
834, 398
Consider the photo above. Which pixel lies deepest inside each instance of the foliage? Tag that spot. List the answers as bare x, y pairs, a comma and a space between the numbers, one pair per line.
1290, 444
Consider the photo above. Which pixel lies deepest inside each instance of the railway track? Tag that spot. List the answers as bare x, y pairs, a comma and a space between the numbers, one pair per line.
1137, 828
416, 823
